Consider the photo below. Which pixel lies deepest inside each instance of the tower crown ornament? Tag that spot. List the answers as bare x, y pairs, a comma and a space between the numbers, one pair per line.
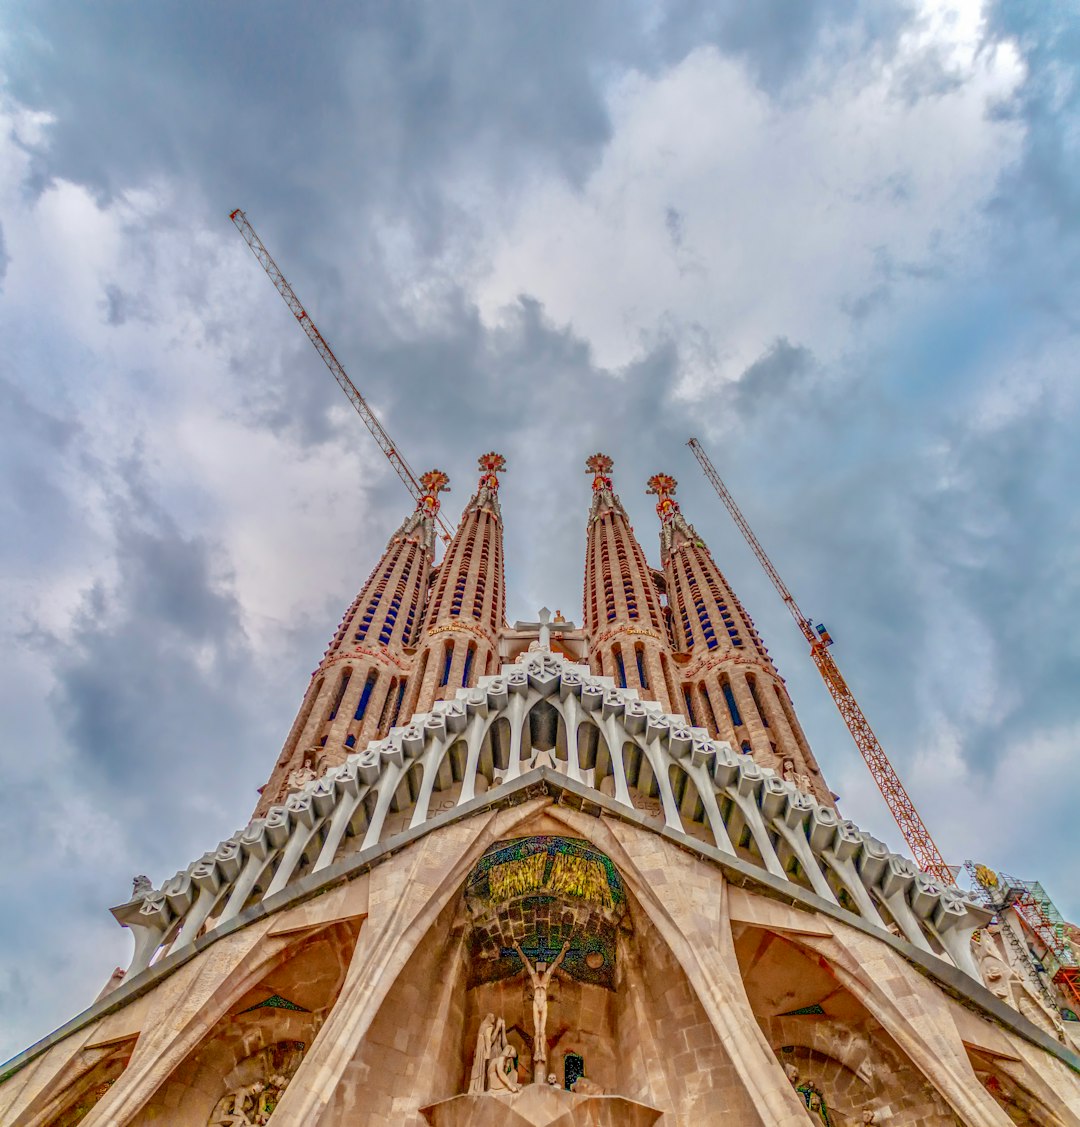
490, 464
599, 465
434, 483
662, 485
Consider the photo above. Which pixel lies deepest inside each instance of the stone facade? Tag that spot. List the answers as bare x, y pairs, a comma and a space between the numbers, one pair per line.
547, 895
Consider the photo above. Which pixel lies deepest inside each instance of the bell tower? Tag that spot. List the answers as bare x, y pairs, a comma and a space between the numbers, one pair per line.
467, 609
622, 612
356, 693
728, 681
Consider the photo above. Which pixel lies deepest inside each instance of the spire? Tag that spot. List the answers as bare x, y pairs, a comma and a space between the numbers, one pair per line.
467, 608
356, 693
628, 638
728, 681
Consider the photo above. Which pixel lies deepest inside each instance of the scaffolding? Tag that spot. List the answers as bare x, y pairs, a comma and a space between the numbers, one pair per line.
1038, 915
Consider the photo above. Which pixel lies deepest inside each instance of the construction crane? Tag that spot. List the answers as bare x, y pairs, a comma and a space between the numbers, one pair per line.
915, 833
396, 459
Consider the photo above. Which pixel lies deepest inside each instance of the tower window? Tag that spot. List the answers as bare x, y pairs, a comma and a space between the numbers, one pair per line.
690, 715
448, 657
621, 667
752, 682
365, 696
343, 684
732, 707
470, 653
639, 652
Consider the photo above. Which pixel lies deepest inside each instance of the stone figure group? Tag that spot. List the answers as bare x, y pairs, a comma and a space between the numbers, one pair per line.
1005, 982
258, 1084
249, 1105
494, 1067
811, 1096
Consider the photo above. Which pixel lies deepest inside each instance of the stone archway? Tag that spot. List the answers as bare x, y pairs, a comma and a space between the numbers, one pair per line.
827, 1040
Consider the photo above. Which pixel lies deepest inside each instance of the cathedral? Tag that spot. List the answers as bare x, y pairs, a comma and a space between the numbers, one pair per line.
552, 873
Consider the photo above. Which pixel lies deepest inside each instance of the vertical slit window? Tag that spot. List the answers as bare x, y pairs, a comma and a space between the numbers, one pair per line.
689, 698
365, 696
386, 705
343, 684
752, 682
448, 657
732, 707
470, 653
397, 703
621, 667
640, 654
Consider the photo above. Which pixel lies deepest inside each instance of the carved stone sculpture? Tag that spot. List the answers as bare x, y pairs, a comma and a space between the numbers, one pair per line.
1006, 983
869, 1116
140, 886
299, 777
253, 1103
502, 1073
485, 1049
583, 1086
792, 1073
552, 1080
815, 1103
233, 1109
540, 984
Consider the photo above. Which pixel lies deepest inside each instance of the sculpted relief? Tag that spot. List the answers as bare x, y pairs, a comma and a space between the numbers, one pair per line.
258, 1083
494, 1067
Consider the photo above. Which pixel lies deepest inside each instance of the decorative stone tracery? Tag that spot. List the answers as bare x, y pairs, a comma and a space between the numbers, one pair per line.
746, 811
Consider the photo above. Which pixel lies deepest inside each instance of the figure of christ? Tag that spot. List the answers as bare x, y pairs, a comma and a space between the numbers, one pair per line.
540, 984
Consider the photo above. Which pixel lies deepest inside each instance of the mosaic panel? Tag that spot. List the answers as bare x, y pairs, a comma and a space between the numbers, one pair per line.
541, 892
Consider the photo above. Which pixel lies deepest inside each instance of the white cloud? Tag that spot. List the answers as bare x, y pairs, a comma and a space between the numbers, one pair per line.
724, 218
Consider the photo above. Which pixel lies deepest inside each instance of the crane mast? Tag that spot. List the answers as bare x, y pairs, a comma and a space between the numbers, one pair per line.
914, 831
378, 432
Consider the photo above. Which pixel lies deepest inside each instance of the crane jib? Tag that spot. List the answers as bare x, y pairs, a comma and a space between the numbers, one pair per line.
401, 467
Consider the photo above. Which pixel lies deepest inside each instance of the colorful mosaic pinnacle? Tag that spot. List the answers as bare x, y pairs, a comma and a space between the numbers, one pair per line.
599, 465
491, 464
434, 483
662, 485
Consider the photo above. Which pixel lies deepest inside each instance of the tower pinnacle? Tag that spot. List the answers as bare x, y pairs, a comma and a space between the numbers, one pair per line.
627, 633
467, 608
356, 693
487, 491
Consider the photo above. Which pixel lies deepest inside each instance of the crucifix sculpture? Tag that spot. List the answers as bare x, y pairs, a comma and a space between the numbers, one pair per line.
540, 984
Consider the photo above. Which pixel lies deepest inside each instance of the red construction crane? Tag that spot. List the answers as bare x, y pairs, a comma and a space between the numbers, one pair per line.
917, 836
396, 459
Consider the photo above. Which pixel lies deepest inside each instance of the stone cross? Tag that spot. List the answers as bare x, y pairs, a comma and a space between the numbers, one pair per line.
545, 629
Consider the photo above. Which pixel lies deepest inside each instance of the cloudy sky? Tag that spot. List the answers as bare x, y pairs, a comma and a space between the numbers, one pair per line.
838, 241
